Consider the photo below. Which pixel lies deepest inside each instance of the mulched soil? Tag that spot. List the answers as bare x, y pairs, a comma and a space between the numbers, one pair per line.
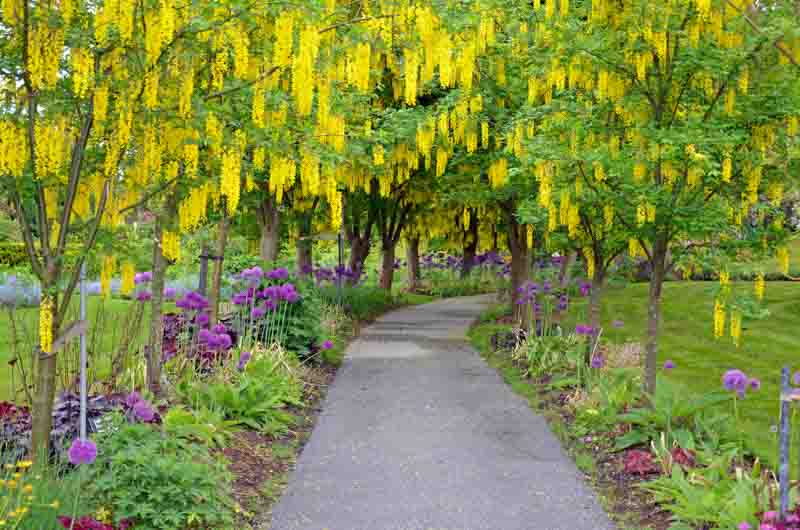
260, 463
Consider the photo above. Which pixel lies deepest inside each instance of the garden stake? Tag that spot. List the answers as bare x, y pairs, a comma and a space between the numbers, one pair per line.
783, 469
84, 389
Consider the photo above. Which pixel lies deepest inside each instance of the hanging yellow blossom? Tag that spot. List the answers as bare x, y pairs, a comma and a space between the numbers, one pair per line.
46, 324
783, 260
128, 273
736, 327
759, 286
106, 273
719, 319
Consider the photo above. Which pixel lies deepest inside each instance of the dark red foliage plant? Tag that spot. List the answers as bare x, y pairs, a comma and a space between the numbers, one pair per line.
638, 462
88, 523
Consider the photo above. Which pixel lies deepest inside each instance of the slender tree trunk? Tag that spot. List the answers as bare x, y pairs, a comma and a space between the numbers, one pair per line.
387, 270
595, 298
520, 264
565, 274
156, 309
216, 281
202, 284
42, 419
305, 263
412, 256
470, 247
658, 265
269, 219
359, 251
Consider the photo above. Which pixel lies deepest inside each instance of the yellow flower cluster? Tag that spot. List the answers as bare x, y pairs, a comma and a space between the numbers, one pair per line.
192, 210
719, 319
128, 272
106, 273
498, 173
230, 181
82, 72
52, 148
736, 327
171, 246
783, 260
282, 172
13, 148
303, 70
759, 286
46, 323
44, 52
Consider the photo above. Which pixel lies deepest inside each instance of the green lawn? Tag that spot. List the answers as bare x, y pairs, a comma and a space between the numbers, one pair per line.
108, 320
687, 338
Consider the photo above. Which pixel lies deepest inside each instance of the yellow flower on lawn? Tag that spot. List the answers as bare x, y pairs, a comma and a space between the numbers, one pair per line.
24, 464
28, 488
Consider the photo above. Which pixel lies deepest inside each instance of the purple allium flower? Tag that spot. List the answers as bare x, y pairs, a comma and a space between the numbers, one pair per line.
735, 380
618, 324
144, 296
598, 362
327, 345
132, 399
170, 293
269, 305
770, 517
273, 291
244, 358
258, 312
293, 297
203, 319
744, 526
278, 274
546, 286
219, 328
754, 383
583, 329
585, 288
204, 335
82, 452
224, 341
796, 378
144, 411
669, 364
239, 299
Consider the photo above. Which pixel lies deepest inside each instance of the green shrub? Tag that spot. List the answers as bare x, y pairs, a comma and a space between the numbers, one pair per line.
12, 254
158, 480
257, 398
205, 425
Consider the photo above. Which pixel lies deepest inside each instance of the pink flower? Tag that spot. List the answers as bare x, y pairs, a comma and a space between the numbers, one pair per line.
744, 525
327, 345
82, 452
144, 411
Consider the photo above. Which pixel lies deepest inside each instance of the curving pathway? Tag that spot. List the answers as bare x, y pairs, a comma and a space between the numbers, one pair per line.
418, 433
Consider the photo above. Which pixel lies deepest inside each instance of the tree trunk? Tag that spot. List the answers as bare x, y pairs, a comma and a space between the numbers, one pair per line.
387, 270
565, 274
304, 251
595, 298
156, 309
42, 419
412, 256
202, 284
216, 281
520, 263
470, 247
658, 265
269, 219
359, 251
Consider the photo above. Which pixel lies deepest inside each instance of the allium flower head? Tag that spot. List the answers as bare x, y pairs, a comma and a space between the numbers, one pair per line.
170, 293
144, 296
244, 358
735, 380
278, 274
669, 364
82, 452
327, 345
143, 411
220, 328
598, 362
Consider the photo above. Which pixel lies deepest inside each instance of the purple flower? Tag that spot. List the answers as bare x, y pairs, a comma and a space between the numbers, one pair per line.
132, 399
278, 274
82, 452
744, 526
546, 286
293, 297
770, 517
585, 288
286, 291
754, 383
617, 324
669, 364
170, 293
273, 291
563, 303
239, 299
327, 345
258, 312
244, 358
204, 335
142, 277
202, 319
735, 380
144, 411
598, 362
219, 328
224, 341
269, 305
796, 378
144, 296
584, 329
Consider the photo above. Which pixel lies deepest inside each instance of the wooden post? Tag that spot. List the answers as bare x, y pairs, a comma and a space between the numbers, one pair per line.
202, 284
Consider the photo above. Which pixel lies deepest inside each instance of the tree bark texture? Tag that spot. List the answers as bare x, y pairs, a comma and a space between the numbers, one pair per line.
520, 263
412, 257
387, 268
269, 220
470, 246
216, 280
153, 359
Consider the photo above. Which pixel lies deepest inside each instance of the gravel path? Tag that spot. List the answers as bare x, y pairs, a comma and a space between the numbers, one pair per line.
418, 433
